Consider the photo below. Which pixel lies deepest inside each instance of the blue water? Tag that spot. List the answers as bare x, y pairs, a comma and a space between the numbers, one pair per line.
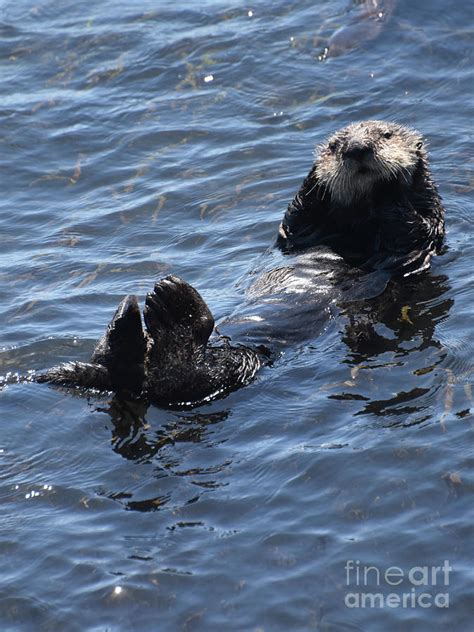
140, 139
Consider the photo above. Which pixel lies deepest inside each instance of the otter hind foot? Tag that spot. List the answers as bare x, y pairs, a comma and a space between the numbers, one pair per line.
182, 369
175, 308
122, 348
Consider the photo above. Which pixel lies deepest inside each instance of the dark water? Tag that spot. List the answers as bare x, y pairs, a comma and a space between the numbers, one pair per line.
142, 138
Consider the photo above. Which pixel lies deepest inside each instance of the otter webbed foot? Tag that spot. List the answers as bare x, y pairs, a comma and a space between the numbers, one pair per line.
122, 348
182, 370
176, 309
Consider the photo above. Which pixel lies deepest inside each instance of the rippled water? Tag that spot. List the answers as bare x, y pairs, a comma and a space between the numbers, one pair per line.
144, 138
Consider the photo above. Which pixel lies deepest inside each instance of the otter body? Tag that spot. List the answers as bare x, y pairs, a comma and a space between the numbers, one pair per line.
368, 206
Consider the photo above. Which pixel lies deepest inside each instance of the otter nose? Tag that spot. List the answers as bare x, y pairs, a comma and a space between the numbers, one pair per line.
358, 151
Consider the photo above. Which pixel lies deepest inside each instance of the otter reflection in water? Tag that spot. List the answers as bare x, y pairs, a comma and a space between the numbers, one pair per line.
367, 213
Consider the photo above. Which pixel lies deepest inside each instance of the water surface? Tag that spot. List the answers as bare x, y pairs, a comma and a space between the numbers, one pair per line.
140, 139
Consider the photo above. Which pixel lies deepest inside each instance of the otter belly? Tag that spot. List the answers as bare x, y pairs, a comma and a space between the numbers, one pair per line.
290, 303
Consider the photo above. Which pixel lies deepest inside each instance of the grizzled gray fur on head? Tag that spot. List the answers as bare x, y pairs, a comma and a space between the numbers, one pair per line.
359, 156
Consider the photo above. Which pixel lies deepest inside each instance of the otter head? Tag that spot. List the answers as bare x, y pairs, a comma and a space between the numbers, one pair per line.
358, 157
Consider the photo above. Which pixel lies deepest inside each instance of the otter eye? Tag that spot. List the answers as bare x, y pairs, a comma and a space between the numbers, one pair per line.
332, 146
388, 135
419, 145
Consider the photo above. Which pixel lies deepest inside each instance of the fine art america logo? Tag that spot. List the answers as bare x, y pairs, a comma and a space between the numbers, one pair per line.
394, 587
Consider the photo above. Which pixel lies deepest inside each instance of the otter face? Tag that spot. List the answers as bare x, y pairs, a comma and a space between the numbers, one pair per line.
359, 156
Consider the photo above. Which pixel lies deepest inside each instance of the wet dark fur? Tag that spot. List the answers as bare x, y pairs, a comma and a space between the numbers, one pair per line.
369, 196
170, 363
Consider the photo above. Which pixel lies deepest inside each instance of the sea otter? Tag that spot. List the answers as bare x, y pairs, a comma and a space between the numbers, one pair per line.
368, 206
